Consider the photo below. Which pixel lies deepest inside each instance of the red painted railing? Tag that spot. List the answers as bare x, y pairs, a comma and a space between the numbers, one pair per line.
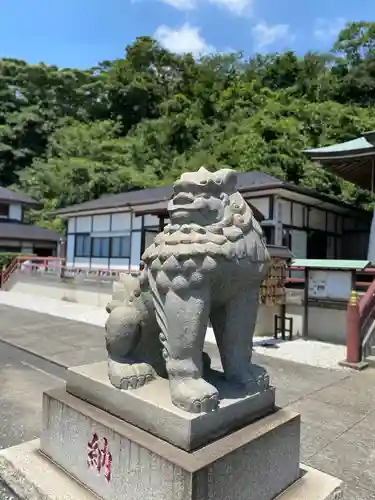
366, 310
42, 263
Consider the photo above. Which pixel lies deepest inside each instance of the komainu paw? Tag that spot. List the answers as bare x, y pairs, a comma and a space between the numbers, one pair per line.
129, 375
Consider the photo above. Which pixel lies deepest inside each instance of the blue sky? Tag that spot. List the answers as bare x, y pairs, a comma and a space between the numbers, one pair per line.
79, 33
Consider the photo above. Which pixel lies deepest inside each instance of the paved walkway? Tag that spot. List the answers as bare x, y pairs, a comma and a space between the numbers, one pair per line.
308, 352
337, 407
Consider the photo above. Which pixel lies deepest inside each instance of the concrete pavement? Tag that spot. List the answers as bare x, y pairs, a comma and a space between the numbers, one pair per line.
305, 351
23, 378
337, 407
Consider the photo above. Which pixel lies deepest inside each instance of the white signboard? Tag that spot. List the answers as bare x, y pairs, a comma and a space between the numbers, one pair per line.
330, 284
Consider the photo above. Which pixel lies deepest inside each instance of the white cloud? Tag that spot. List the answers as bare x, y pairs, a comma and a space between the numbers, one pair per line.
326, 29
182, 4
265, 34
184, 39
237, 7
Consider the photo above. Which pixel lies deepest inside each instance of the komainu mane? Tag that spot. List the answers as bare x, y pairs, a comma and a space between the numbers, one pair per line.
206, 266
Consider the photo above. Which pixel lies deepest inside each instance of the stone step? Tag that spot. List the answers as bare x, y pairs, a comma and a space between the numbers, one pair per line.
33, 477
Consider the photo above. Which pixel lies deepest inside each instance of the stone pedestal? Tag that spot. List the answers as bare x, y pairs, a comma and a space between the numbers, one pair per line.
86, 451
150, 407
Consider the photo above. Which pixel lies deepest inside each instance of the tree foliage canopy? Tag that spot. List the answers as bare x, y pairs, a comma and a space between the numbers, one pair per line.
69, 135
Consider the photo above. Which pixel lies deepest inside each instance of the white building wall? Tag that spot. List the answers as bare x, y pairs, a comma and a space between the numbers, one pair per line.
15, 211
262, 204
70, 243
136, 222
107, 226
101, 223
83, 262
278, 222
286, 212
83, 224
151, 221
99, 263
135, 250
72, 225
298, 215
121, 264
122, 221
317, 219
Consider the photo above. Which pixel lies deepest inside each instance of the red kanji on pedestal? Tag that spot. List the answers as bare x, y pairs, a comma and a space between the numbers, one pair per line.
99, 458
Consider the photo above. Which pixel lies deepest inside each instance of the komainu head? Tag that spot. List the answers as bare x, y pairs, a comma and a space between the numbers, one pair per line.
202, 197
208, 216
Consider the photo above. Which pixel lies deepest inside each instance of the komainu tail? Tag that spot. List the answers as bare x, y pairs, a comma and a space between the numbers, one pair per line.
122, 291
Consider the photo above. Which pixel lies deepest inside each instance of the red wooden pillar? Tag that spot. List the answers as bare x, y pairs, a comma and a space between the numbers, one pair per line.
353, 339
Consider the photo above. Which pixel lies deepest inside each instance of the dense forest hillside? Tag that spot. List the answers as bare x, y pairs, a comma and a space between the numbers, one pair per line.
68, 135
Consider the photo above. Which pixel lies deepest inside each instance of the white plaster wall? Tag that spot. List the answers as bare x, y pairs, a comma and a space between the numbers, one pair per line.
137, 222
70, 241
83, 224
135, 250
72, 225
83, 262
15, 211
151, 221
262, 204
299, 243
286, 208
317, 219
120, 264
298, 215
101, 222
278, 222
121, 221
99, 263
323, 324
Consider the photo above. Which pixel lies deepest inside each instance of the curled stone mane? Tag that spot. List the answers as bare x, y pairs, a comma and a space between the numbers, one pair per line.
230, 238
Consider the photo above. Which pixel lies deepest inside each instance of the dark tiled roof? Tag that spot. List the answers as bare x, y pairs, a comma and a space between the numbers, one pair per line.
151, 195
19, 231
13, 196
247, 181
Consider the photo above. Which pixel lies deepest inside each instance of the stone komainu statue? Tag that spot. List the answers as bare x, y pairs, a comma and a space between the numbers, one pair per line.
207, 265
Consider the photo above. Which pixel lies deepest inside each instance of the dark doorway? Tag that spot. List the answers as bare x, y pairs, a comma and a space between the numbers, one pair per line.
43, 252
317, 245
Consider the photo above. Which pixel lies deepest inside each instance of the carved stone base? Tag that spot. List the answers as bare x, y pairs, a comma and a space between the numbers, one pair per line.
150, 407
113, 459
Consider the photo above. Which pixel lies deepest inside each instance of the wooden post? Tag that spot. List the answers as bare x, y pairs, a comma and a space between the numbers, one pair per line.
353, 334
